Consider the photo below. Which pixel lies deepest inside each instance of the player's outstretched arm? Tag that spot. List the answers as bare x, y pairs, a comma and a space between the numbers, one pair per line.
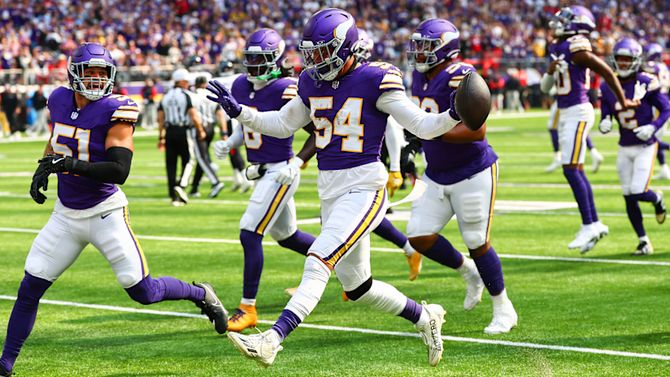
410, 116
293, 116
394, 140
589, 60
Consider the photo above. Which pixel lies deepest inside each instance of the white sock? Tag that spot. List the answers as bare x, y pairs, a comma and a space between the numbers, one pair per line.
423, 319
384, 297
274, 337
309, 292
646, 239
248, 301
500, 299
467, 266
557, 156
409, 250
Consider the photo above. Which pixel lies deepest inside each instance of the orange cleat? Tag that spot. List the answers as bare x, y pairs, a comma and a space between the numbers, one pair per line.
245, 316
414, 262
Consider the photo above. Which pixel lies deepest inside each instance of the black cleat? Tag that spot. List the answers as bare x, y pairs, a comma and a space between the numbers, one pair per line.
4, 372
213, 308
644, 248
660, 208
216, 190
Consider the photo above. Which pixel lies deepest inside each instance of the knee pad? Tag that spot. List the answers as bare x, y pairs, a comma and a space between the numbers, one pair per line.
315, 269
472, 208
37, 267
360, 290
126, 280
473, 239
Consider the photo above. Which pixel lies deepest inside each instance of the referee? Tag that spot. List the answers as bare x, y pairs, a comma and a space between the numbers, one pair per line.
176, 116
211, 114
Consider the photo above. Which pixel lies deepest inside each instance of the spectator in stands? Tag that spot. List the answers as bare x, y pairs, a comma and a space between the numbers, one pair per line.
39, 102
149, 93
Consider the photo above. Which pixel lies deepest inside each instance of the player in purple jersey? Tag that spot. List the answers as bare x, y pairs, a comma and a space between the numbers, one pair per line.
638, 129
461, 173
394, 141
654, 65
271, 207
91, 148
569, 70
349, 104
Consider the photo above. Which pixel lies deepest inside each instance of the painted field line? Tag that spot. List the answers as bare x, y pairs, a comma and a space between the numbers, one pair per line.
380, 249
507, 343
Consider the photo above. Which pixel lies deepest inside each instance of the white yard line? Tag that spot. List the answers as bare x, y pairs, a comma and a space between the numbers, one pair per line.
380, 249
551, 347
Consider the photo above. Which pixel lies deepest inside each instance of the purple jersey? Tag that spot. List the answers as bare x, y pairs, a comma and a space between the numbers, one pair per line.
660, 70
572, 80
641, 116
349, 127
262, 148
81, 134
448, 163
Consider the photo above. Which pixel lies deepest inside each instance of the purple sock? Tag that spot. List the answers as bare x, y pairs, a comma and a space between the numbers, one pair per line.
589, 143
579, 190
647, 196
554, 139
252, 243
589, 191
635, 215
387, 231
298, 242
150, 290
23, 316
286, 323
663, 146
412, 311
444, 253
490, 270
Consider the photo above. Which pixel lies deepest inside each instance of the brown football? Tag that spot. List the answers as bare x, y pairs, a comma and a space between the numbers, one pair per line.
473, 101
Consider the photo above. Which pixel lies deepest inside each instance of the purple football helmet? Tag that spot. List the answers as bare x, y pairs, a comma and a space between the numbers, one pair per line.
363, 47
631, 51
435, 40
327, 43
572, 20
653, 52
90, 55
262, 55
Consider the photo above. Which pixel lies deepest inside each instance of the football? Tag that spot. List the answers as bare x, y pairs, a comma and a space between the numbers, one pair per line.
473, 100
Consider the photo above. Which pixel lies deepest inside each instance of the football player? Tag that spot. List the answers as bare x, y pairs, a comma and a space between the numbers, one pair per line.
569, 70
349, 104
91, 148
271, 207
461, 173
393, 141
654, 64
637, 134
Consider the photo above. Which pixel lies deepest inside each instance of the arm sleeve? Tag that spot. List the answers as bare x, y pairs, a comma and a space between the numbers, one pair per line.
546, 83
605, 108
115, 170
283, 123
395, 140
660, 102
422, 124
236, 138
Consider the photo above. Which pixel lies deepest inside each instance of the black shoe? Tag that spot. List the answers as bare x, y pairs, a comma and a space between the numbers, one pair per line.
213, 308
644, 248
4, 372
660, 209
216, 190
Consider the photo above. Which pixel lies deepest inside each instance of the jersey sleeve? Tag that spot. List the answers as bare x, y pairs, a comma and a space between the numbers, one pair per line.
126, 110
391, 77
291, 90
457, 72
579, 43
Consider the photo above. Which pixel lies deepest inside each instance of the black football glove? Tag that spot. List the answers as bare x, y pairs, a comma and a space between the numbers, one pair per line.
48, 165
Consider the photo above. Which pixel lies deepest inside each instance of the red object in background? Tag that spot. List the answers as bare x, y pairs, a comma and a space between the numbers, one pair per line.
181, 7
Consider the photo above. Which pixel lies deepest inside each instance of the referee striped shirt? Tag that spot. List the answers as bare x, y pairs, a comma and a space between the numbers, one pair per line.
175, 104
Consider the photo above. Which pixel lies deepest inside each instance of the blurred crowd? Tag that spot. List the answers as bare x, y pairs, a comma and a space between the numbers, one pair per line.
505, 39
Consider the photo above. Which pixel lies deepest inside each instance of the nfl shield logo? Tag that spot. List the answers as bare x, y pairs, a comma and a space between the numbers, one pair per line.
74, 115
335, 84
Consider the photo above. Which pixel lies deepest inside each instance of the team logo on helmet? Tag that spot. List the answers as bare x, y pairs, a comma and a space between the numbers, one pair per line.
433, 42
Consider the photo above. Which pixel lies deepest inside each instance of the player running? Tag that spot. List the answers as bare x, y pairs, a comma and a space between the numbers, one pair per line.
638, 130
91, 149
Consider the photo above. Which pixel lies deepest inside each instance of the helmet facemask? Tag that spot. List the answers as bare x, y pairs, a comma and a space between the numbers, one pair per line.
262, 65
322, 61
560, 21
422, 52
625, 63
92, 88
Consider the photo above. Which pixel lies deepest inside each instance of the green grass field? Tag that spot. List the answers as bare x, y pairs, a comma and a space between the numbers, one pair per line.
572, 314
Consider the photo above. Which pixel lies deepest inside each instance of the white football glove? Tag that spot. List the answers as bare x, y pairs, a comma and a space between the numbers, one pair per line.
640, 90
221, 149
287, 174
605, 125
645, 132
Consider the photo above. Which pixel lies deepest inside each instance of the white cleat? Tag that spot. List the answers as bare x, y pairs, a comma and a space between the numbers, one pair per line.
181, 194
586, 239
644, 248
555, 164
504, 319
431, 332
475, 285
596, 160
602, 229
664, 173
259, 347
